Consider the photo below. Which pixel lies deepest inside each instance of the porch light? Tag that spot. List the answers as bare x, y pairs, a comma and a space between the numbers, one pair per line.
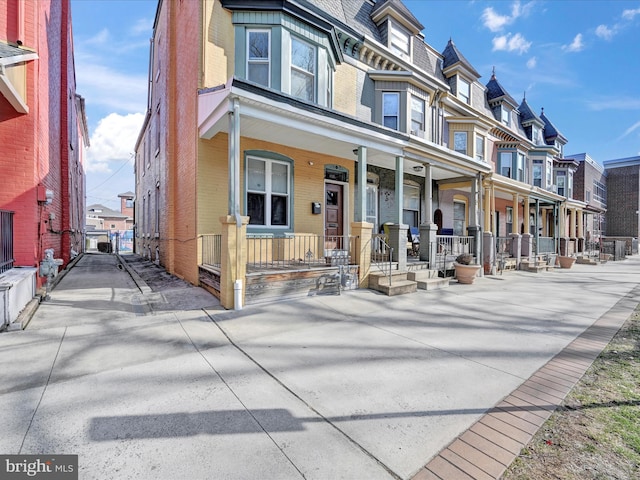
418, 168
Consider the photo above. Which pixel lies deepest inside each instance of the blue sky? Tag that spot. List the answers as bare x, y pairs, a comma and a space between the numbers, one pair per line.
579, 60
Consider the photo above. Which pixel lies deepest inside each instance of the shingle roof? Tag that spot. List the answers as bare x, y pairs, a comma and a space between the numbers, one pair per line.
495, 91
7, 51
356, 15
452, 56
550, 131
526, 114
104, 211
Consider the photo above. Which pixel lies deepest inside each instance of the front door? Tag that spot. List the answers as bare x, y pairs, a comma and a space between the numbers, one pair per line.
333, 215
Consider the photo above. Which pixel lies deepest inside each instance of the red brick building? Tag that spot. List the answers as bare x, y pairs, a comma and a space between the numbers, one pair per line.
43, 131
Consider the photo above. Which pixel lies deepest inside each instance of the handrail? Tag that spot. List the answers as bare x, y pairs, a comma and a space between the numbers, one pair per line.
384, 247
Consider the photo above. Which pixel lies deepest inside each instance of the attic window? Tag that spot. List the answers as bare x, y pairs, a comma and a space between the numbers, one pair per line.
399, 41
505, 115
464, 91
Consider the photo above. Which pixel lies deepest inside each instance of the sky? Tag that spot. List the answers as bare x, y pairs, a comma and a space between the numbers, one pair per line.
577, 59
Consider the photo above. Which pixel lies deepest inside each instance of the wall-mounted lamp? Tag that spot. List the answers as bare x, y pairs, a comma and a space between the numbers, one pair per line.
310, 163
355, 151
417, 168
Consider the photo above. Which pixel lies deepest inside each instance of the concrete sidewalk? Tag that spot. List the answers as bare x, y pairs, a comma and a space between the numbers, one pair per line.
166, 385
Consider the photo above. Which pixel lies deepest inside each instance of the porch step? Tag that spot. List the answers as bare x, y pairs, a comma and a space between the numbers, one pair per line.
379, 281
533, 266
428, 279
420, 275
586, 261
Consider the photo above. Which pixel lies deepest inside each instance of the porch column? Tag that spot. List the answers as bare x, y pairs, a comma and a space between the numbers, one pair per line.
398, 231
515, 222
580, 240
494, 225
526, 243
233, 261
572, 223
361, 195
234, 158
428, 229
488, 253
545, 231
474, 227
362, 232
487, 209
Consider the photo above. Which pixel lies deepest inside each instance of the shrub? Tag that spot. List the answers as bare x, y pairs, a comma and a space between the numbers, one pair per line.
464, 259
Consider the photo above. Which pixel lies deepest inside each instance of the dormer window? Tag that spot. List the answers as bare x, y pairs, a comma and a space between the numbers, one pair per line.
399, 41
464, 90
505, 115
535, 135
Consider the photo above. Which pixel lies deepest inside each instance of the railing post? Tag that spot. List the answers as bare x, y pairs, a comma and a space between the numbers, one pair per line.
428, 243
516, 248
488, 253
362, 255
398, 238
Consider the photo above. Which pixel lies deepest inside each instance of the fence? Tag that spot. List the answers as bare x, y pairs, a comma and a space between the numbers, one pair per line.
211, 249
545, 245
454, 245
299, 250
6, 241
613, 249
504, 246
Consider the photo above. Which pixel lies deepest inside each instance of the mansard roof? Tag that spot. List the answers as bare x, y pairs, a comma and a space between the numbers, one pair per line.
453, 57
356, 15
403, 14
551, 133
497, 93
527, 115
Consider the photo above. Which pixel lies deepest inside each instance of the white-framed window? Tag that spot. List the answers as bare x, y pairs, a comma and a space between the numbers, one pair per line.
391, 110
506, 160
537, 173
411, 205
520, 170
459, 217
329, 87
303, 69
509, 220
417, 115
505, 115
561, 182
570, 185
399, 40
549, 174
600, 193
372, 200
268, 192
480, 148
258, 56
460, 142
464, 90
535, 135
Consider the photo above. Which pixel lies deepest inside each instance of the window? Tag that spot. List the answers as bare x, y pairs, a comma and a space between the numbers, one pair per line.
268, 187
258, 60
588, 196
505, 164
329, 87
459, 217
113, 226
535, 135
460, 142
600, 193
399, 41
537, 173
509, 220
128, 203
391, 110
417, 115
480, 148
561, 182
303, 69
372, 201
549, 173
570, 185
157, 126
520, 170
504, 115
464, 90
411, 205
157, 202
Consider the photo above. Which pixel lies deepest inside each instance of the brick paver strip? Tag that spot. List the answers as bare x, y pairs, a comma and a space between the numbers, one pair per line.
494, 441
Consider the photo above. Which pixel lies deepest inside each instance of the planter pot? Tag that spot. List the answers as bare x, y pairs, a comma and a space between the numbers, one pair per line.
466, 273
566, 262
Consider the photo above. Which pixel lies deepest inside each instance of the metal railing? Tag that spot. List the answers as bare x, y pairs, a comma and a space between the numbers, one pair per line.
211, 249
6, 240
545, 245
504, 246
454, 245
298, 250
592, 248
381, 253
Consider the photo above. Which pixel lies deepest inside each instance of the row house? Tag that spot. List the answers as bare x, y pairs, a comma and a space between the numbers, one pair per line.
288, 140
43, 133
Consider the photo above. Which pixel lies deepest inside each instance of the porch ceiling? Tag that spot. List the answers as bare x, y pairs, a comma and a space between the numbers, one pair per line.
312, 129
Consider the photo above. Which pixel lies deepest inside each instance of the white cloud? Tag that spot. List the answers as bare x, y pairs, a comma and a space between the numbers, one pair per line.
496, 22
630, 14
605, 32
113, 141
142, 26
532, 62
614, 103
100, 38
511, 43
630, 130
576, 45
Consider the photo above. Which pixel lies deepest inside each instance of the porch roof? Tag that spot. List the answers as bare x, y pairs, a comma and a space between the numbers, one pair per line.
507, 187
275, 117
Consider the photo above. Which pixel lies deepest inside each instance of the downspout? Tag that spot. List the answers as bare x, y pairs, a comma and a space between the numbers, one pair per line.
234, 195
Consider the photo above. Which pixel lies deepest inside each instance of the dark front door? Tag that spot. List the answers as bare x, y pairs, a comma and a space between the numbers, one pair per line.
333, 215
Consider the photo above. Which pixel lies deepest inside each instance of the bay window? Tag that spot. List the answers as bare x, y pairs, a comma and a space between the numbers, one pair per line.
258, 58
391, 110
460, 142
417, 115
505, 161
303, 69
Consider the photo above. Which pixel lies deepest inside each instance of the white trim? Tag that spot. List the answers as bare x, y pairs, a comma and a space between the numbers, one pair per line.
11, 94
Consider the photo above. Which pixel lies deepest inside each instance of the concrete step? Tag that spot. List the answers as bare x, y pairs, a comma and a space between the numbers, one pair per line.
376, 278
421, 275
586, 261
398, 287
433, 283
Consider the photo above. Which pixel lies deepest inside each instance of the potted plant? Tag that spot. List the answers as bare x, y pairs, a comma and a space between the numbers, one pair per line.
566, 261
466, 271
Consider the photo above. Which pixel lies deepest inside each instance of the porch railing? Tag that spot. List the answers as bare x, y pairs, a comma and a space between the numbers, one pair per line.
504, 246
545, 245
454, 245
381, 254
211, 249
298, 250
6, 240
